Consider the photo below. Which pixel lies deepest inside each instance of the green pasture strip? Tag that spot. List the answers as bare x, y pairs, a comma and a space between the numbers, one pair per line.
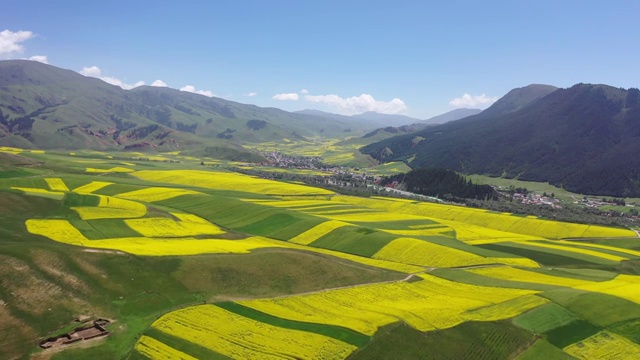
186, 346
470, 340
355, 240
337, 332
9, 174
600, 309
629, 329
73, 199
295, 229
572, 332
401, 224
37, 182
542, 349
628, 243
544, 256
545, 318
459, 245
579, 274
271, 224
113, 228
604, 251
462, 276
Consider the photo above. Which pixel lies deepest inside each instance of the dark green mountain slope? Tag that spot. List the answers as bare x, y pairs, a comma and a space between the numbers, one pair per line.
585, 139
452, 115
48, 107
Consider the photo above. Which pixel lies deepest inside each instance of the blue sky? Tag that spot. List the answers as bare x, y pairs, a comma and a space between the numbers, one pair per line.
418, 58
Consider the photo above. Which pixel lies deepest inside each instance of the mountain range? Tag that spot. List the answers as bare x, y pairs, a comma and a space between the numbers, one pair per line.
51, 108
584, 138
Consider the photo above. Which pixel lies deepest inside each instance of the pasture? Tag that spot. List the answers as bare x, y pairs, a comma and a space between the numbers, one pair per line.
170, 250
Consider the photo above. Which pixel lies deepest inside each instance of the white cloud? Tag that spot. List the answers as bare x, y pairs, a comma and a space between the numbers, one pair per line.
95, 72
286, 96
159, 83
192, 89
467, 100
10, 42
92, 71
304, 91
358, 104
251, 94
39, 58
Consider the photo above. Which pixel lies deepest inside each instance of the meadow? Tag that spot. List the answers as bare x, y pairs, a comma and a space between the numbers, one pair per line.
195, 261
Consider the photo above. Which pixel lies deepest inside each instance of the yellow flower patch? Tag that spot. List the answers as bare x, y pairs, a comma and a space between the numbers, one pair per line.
423, 253
62, 231
242, 338
317, 232
111, 208
56, 184
153, 194
228, 181
605, 345
40, 192
156, 350
505, 310
429, 304
91, 187
117, 169
189, 225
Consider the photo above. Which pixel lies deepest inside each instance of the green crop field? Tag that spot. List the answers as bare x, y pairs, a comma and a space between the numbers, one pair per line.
293, 270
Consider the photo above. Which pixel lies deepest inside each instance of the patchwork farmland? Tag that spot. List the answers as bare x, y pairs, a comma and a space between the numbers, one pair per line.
193, 262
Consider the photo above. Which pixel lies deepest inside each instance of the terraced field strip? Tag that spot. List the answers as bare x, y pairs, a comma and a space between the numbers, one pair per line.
153, 194
245, 338
423, 253
317, 232
62, 231
91, 187
483, 218
429, 304
111, 208
228, 181
605, 345
56, 184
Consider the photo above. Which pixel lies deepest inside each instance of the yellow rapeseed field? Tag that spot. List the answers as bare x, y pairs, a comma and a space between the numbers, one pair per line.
623, 286
605, 345
62, 231
56, 184
509, 273
242, 338
523, 262
153, 194
117, 169
91, 187
497, 221
423, 253
317, 232
111, 208
189, 225
429, 304
156, 350
57, 230
40, 192
228, 181
505, 310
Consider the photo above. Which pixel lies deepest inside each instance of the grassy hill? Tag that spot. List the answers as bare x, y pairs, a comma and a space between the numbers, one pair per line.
168, 251
584, 139
47, 107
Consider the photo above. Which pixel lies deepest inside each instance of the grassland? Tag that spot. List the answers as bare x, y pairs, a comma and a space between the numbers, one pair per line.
169, 250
